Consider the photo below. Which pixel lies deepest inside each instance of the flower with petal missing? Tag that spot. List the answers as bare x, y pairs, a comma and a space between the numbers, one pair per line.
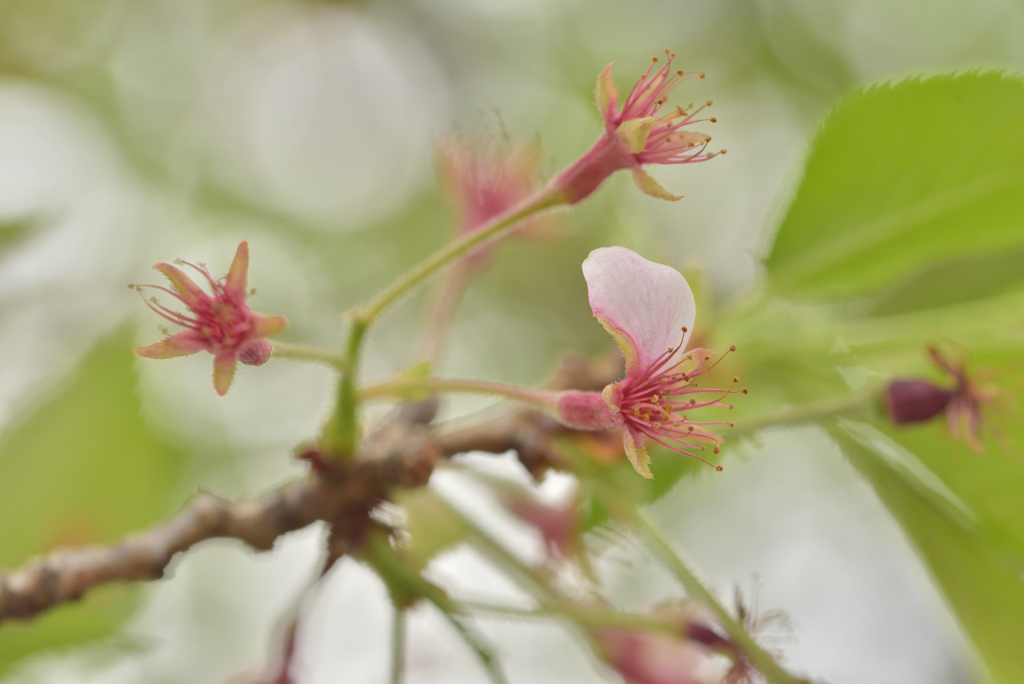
649, 309
487, 180
634, 135
221, 323
915, 400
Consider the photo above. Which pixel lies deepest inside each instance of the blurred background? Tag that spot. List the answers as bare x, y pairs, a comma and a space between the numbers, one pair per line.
136, 131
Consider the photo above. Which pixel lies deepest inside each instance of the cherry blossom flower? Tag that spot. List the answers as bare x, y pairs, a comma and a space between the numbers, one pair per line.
914, 401
649, 309
634, 135
487, 180
220, 323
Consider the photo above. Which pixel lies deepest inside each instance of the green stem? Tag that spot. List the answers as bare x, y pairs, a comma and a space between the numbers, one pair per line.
587, 616
397, 644
479, 647
406, 388
823, 408
442, 311
301, 352
761, 659
342, 432
544, 198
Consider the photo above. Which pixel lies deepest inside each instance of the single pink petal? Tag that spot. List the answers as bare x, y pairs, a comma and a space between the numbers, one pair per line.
268, 326
223, 372
236, 282
645, 306
636, 452
179, 344
190, 293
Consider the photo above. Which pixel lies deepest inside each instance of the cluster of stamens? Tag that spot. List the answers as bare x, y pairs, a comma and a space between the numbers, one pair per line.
653, 403
666, 144
221, 320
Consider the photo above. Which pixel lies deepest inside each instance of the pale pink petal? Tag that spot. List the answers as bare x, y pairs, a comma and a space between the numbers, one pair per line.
268, 326
636, 452
223, 372
180, 344
236, 281
645, 306
190, 293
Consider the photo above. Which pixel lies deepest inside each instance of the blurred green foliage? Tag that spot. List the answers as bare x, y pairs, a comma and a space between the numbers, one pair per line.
900, 176
82, 469
888, 208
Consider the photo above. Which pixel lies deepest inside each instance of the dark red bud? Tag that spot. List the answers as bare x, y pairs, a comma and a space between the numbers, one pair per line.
914, 401
255, 353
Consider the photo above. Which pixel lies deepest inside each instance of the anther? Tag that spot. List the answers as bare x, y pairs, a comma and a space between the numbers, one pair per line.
745, 391
655, 398
684, 329
732, 424
719, 468
735, 379
713, 120
717, 450
701, 75
708, 103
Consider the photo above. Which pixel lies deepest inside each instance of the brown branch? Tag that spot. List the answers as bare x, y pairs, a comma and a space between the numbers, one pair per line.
402, 453
341, 494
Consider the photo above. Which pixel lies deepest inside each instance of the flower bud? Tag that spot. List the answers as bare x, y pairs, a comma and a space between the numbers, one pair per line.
255, 353
915, 401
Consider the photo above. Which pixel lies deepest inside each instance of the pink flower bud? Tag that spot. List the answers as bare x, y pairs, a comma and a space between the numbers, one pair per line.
255, 353
914, 401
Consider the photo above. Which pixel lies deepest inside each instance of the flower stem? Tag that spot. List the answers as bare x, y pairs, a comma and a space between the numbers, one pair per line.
342, 432
823, 408
544, 198
761, 659
587, 616
482, 650
442, 311
301, 352
397, 644
410, 388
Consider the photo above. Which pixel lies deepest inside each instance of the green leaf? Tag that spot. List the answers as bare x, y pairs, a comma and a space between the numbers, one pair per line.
83, 469
953, 281
984, 591
990, 483
903, 175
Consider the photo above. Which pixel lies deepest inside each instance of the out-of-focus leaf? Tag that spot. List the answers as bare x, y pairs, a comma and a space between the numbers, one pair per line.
983, 590
953, 281
83, 469
12, 232
903, 175
991, 483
